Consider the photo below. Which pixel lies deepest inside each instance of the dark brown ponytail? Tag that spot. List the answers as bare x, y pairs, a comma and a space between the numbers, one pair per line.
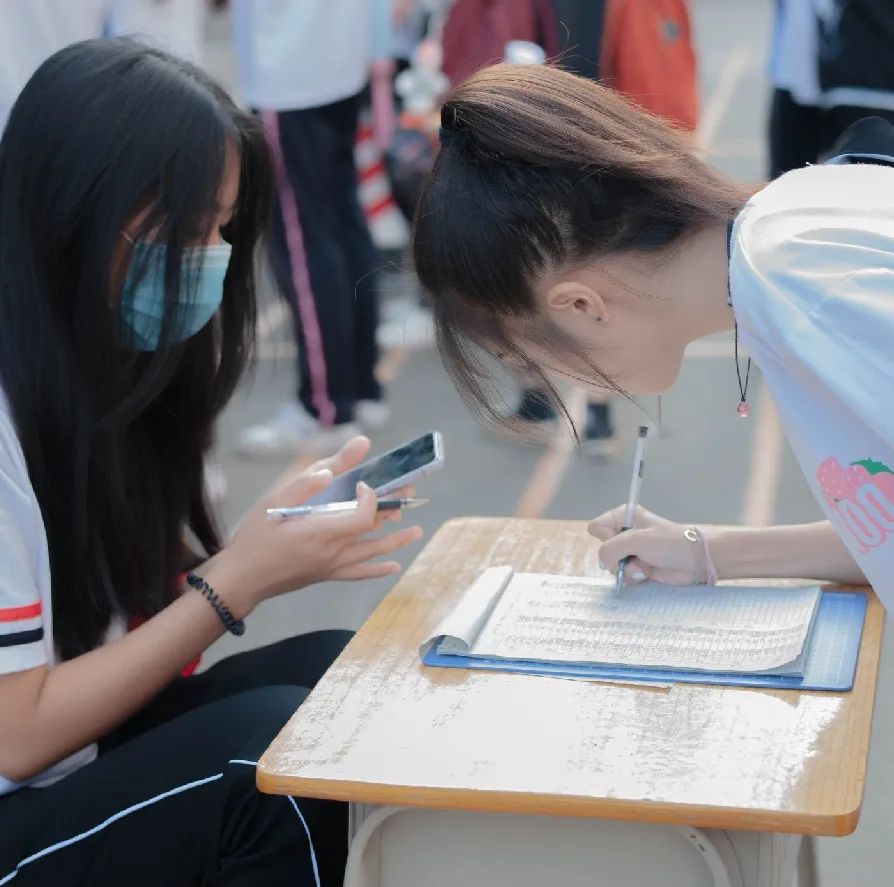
540, 169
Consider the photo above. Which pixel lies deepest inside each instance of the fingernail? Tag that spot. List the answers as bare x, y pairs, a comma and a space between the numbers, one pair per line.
637, 575
323, 472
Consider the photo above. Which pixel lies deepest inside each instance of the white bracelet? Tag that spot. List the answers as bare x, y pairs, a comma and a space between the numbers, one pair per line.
704, 573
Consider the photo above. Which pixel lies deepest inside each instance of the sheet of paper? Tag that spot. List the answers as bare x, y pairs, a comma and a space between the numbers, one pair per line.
568, 619
466, 620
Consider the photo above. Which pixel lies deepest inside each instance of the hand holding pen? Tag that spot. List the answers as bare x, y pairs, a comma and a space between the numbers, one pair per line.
636, 483
640, 545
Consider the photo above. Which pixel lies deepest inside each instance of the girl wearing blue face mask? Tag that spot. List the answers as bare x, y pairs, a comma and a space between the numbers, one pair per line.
132, 194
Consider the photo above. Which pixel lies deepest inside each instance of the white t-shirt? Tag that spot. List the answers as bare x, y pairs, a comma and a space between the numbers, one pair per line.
302, 54
31, 31
178, 26
26, 611
812, 283
794, 59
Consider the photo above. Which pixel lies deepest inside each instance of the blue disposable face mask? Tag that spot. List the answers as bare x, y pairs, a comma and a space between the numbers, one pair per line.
143, 297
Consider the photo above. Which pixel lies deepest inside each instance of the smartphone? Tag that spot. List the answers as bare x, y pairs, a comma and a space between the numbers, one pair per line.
389, 472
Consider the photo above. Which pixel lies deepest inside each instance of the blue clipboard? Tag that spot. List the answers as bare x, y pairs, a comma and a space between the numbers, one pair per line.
831, 660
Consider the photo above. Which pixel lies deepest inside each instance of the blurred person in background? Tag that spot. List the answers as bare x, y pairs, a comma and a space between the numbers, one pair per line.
419, 88
177, 26
831, 63
437, 42
303, 67
33, 30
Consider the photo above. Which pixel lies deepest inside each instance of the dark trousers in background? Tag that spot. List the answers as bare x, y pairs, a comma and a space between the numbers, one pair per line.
802, 134
794, 133
171, 800
323, 257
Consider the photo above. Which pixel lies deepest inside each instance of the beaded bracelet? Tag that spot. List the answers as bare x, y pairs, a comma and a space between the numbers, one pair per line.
231, 623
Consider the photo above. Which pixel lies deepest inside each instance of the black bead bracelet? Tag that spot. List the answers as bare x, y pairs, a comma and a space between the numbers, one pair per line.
231, 623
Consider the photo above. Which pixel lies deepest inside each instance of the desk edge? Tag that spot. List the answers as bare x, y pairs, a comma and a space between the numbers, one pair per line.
836, 824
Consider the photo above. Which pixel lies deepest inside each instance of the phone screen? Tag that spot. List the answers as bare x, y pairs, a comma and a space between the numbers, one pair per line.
382, 471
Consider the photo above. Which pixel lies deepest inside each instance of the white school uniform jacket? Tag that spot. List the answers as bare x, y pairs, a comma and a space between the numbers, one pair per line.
812, 285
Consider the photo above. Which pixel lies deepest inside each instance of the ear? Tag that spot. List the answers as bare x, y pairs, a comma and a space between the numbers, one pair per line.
579, 299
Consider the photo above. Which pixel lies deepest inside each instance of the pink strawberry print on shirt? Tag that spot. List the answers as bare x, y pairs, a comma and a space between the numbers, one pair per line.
862, 497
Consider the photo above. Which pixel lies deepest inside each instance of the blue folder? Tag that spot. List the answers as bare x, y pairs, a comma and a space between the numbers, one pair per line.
830, 663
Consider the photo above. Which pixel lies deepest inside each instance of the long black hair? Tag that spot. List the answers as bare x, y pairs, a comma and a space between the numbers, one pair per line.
115, 439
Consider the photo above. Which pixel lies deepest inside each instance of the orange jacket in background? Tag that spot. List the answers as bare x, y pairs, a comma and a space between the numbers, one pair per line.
647, 54
642, 48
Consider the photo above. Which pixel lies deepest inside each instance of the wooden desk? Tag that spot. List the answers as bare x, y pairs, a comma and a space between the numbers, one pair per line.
380, 728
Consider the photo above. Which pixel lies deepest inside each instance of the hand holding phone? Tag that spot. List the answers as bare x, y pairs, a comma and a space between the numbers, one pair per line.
266, 558
398, 468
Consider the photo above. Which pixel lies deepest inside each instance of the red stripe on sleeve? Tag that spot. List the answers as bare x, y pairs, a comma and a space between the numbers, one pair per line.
16, 614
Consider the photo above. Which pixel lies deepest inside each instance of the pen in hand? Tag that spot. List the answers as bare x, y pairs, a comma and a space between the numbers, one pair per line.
636, 482
340, 507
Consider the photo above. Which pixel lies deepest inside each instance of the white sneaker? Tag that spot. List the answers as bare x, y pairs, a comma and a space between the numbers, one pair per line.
292, 431
372, 415
389, 230
407, 325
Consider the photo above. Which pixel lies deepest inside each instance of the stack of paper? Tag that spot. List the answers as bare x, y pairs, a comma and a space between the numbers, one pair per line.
543, 618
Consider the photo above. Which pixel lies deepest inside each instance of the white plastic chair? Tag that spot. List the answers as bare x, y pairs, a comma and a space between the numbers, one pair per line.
403, 847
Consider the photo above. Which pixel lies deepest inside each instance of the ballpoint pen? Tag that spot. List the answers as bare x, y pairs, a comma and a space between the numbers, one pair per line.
636, 482
341, 507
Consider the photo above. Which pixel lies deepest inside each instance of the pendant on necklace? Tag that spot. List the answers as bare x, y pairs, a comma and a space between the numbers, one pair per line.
744, 410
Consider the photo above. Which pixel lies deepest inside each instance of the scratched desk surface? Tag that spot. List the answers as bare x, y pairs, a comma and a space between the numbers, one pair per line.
381, 728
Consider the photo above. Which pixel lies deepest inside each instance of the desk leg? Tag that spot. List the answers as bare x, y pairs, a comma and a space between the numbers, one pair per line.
808, 871
356, 814
771, 860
